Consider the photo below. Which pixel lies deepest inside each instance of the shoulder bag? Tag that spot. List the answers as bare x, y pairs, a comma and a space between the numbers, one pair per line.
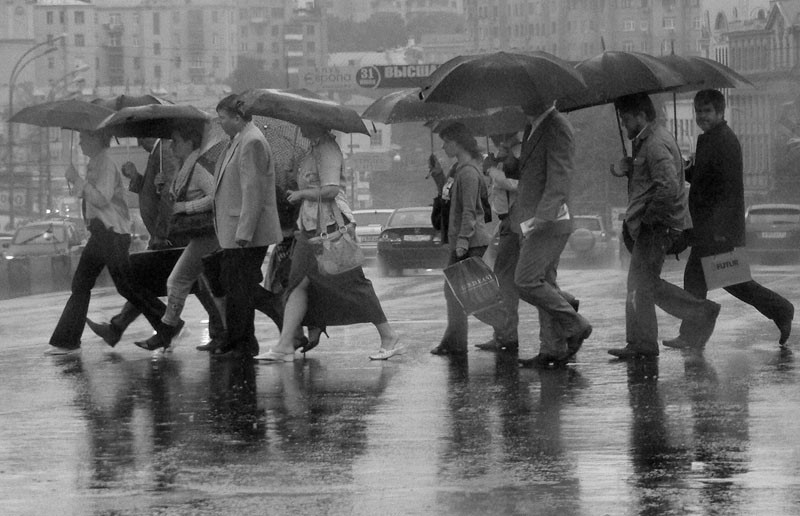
183, 226
336, 253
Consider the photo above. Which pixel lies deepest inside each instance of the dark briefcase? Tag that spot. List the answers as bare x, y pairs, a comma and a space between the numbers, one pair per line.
150, 269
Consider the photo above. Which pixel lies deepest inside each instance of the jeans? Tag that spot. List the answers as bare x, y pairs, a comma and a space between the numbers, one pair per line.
104, 249
646, 289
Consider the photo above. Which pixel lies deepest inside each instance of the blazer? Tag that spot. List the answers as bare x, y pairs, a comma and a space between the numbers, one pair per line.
245, 207
545, 170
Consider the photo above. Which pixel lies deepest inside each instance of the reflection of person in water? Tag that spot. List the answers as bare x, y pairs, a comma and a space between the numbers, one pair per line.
720, 430
111, 396
233, 402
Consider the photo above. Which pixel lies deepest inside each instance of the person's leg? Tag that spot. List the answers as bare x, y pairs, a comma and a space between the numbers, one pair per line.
125, 317
454, 340
241, 274
216, 324
294, 312
646, 262
504, 267
68, 330
770, 304
538, 255
269, 304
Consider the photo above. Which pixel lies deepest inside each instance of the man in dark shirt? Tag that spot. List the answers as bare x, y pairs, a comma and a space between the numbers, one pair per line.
716, 203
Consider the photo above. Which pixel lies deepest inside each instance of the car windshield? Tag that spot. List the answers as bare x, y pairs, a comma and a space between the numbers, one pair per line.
410, 218
587, 223
774, 215
44, 234
371, 219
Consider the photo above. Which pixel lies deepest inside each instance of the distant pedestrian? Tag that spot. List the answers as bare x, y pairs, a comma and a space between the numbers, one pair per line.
716, 203
657, 215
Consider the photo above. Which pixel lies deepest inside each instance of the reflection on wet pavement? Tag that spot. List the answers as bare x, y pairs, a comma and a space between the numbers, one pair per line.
119, 432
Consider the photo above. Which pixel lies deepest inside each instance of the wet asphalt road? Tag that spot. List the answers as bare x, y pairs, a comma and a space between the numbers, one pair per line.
118, 432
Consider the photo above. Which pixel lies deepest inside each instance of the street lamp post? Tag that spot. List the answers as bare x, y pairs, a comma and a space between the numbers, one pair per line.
15, 71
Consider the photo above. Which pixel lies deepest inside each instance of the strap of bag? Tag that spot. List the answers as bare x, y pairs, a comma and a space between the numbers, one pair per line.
181, 195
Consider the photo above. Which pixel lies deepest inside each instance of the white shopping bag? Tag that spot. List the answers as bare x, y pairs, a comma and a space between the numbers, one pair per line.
724, 270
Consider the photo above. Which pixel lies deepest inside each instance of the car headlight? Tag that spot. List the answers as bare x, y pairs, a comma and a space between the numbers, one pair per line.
9, 257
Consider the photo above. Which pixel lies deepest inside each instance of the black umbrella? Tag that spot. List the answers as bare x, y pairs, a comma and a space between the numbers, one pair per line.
152, 121
407, 106
123, 101
498, 121
504, 79
77, 115
302, 108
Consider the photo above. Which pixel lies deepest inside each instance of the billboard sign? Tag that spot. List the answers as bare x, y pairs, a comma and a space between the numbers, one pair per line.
394, 76
328, 78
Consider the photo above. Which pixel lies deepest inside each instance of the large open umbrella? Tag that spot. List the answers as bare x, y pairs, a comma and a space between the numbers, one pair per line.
302, 108
152, 121
497, 121
123, 101
504, 79
77, 115
407, 106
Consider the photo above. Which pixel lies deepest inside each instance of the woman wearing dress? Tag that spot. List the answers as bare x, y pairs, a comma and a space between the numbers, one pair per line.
314, 299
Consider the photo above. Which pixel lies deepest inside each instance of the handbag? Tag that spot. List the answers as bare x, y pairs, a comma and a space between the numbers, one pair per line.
726, 269
183, 226
338, 252
474, 285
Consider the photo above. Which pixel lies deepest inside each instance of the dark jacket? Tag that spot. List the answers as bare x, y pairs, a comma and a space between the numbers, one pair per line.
716, 198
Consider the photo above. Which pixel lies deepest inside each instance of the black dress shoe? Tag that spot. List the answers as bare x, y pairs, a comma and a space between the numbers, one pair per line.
105, 331
229, 352
785, 326
163, 338
444, 351
633, 352
212, 344
496, 346
543, 361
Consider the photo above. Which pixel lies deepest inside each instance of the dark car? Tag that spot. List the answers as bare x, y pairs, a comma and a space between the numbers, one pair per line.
408, 241
773, 231
369, 224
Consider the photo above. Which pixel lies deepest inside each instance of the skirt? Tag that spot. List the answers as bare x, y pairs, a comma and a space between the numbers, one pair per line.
347, 298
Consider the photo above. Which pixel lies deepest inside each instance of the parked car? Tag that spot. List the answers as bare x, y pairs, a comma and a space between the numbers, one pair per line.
773, 231
45, 237
369, 224
590, 242
408, 241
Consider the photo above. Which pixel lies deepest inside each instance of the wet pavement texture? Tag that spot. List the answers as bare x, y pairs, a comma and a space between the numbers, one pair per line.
123, 432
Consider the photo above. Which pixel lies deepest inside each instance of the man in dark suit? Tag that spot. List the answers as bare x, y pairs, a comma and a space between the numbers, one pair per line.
716, 203
246, 221
541, 217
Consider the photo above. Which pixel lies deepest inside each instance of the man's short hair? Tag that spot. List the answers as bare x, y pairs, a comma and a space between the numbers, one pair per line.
713, 97
233, 106
636, 103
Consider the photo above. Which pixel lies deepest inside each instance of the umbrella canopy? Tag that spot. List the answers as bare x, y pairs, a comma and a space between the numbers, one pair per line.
701, 73
614, 74
77, 115
407, 106
123, 101
302, 108
499, 121
152, 121
288, 147
504, 79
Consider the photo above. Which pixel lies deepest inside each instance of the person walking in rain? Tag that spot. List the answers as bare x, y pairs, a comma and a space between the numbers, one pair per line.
716, 203
657, 214
109, 222
541, 219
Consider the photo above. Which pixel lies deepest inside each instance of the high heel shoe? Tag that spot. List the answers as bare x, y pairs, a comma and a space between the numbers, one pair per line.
312, 342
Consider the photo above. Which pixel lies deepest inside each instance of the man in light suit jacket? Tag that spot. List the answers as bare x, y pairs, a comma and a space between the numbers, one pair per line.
541, 217
246, 221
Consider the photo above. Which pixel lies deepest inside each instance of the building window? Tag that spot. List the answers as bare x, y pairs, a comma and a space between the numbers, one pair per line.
215, 62
62, 17
628, 25
215, 39
156, 49
177, 61
79, 18
668, 22
626, 3
276, 30
260, 47
276, 12
49, 17
696, 23
51, 63
628, 46
135, 39
644, 25
157, 71
215, 16
156, 23
137, 63
310, 29
311, 46
79, 40
176, 16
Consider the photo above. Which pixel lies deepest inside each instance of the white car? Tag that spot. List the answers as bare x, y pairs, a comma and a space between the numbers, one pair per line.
369, 224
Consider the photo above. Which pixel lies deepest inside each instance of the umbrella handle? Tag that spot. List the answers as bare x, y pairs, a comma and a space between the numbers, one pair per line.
71, 144
621, 137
